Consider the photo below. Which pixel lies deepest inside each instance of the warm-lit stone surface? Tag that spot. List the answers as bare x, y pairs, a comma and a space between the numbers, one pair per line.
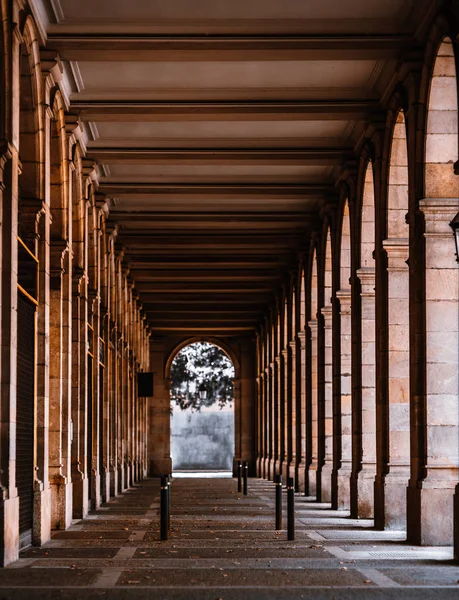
224, 545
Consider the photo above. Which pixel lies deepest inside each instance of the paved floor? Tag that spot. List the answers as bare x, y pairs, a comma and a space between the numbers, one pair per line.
223, 545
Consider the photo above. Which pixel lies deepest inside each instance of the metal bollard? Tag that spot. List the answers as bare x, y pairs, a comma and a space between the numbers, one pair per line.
239, 477
164, 507
169, 500
246, 470
290, 509
278, 482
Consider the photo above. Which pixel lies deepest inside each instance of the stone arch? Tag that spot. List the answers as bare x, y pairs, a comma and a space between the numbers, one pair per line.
364, 400
441, 137
224, 346
59, 196
344, 401
313, 391
326, 434
31, 130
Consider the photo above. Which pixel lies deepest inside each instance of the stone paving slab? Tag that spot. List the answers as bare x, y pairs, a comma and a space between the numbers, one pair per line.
223, 545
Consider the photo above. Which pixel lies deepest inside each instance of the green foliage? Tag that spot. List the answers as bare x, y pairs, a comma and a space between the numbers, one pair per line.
198, 367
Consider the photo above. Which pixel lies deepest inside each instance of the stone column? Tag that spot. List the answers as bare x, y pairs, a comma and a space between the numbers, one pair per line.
273, 418
314, 464
327, 468
247, 405
292, 423
279, 422
159, 422
435, 469
61, 488
302, 414
9, 501
265, 376
391, 482
344, 472
366, 470
285, 412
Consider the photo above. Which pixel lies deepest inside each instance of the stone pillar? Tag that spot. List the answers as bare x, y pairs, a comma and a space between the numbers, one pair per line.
272, 418
301, 472
391, 482
9, 501
365, 469
292, 424
435, 469
246, 407
279, 420
327, 467
314, 465
343, 474
285, 412
159, 422
265, 421
61, 489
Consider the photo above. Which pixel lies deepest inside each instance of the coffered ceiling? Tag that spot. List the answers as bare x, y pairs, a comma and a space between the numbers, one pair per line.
219, 129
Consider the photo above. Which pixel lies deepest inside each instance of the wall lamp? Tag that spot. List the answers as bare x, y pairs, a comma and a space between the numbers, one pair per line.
455, 227
202, 391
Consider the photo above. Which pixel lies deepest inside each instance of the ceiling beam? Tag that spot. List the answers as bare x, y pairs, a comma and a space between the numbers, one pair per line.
269, 157
115, 48
221, 190
327, 110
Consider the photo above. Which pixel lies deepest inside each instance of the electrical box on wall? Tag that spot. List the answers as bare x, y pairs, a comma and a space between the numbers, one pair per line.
145, 385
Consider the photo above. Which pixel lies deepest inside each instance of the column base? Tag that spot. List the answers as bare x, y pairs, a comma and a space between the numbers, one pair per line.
390, 501
311, 480
61, 503
430, 514
343, 489
113, 482
80, 497
271, 469
325, 494
105, 485
9, 512
259, 467
41, 532
95, 490
299, 476
362, 493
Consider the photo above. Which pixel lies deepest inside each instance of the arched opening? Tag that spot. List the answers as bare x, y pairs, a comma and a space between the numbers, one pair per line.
202, 410
313, 401
345, 327
366, 469
327, 316
396, 247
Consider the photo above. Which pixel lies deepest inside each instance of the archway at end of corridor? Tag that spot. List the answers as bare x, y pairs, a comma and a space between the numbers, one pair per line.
202, 410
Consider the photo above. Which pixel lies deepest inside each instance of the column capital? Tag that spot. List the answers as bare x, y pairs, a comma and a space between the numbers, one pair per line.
397, 251
345, 299
327, 313
367, 277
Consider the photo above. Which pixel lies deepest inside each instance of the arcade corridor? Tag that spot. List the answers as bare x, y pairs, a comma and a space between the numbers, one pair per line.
223, 545
279, 179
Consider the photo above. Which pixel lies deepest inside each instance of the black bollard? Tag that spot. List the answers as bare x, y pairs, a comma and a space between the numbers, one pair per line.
169, 500
239, 477
164, 507
278, 481
290, 509
246, 470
